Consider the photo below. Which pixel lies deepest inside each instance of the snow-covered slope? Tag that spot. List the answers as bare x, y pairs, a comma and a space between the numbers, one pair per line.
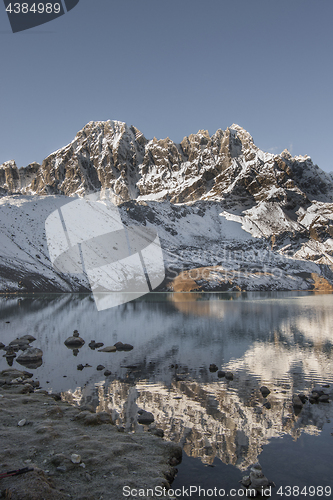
214, 200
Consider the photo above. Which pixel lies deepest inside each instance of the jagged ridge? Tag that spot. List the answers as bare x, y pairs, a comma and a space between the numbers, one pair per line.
186, 190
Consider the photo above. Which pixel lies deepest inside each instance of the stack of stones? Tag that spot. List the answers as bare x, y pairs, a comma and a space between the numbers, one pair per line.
257, 482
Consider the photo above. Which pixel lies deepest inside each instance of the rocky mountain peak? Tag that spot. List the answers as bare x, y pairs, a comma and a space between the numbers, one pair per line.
227, 165
201, 194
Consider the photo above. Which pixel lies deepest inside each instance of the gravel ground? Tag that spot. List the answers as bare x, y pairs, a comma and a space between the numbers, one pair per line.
53, 434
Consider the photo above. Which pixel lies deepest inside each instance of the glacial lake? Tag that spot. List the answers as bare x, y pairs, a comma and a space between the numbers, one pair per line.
282, 340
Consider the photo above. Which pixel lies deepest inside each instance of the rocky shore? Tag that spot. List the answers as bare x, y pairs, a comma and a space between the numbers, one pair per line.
74, 453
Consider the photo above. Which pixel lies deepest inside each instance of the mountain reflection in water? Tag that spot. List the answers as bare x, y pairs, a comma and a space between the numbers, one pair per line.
280, 340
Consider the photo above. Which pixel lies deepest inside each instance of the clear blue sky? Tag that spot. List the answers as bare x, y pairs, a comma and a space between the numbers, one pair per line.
171, 67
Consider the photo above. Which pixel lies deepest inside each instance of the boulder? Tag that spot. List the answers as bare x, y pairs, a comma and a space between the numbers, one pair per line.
74, 342
110, 348
264, 391
256, 480
123, 347
31, 358
30, 355
145, 417
302, 397
95, 345
297, 403
19, 342
30, 338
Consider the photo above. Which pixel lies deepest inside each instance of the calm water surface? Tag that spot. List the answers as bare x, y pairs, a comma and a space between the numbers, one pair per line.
280, 340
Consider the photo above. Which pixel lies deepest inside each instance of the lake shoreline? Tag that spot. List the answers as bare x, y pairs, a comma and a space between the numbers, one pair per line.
75, 453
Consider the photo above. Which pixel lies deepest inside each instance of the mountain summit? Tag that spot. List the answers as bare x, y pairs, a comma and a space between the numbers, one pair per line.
202, 167
212, 199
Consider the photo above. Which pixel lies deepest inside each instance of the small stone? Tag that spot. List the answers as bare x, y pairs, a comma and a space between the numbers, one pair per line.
104, 417
324, 398
213, 368
92, 419
258, 480
18, 342
100, 368
297, 403
145, 418
30, 338
127, 347
9, 354
30, 355
245, 481
22, 422
56, 396
107, 373
74, 342
27, 388
157, 432
80, 367
267, 405
229, 376
220, 374
76, 333
75, 459
264, 391
302, 397
62, 468
123, 347
110, 348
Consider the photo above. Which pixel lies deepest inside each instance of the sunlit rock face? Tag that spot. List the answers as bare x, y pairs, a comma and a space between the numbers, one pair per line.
227, 164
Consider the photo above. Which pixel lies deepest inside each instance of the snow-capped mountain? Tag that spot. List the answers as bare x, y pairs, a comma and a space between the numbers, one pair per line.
243, 218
